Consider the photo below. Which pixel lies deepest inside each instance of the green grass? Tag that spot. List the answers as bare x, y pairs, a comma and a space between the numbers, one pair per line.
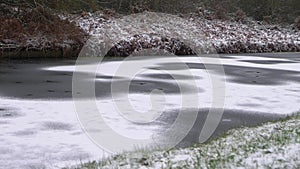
272, 145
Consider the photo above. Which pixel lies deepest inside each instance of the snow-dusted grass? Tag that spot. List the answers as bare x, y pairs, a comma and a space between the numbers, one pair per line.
272, 145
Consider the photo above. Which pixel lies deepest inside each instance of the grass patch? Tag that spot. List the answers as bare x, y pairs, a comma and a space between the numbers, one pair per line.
272, 145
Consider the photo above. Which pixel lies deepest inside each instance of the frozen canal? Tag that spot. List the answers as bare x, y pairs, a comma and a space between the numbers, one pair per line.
40, 128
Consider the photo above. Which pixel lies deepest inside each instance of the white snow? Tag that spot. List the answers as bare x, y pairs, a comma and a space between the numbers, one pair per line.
46, 134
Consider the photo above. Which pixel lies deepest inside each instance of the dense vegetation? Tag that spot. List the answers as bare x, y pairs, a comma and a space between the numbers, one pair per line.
269, 10
34, 25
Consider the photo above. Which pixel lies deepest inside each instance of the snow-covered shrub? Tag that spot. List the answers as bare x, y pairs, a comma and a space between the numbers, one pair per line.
149, 41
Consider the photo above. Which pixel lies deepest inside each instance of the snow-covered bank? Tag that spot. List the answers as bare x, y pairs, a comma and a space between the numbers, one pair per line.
273, 145
28, 31
252, 37
226, 36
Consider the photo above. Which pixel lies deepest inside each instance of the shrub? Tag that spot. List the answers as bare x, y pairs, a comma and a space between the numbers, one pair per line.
240, 15
39, 25
298, 22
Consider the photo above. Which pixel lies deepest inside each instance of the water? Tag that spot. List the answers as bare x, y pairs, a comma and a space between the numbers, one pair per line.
39, 124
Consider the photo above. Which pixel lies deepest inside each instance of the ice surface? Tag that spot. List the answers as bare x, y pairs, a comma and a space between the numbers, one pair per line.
37, 132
